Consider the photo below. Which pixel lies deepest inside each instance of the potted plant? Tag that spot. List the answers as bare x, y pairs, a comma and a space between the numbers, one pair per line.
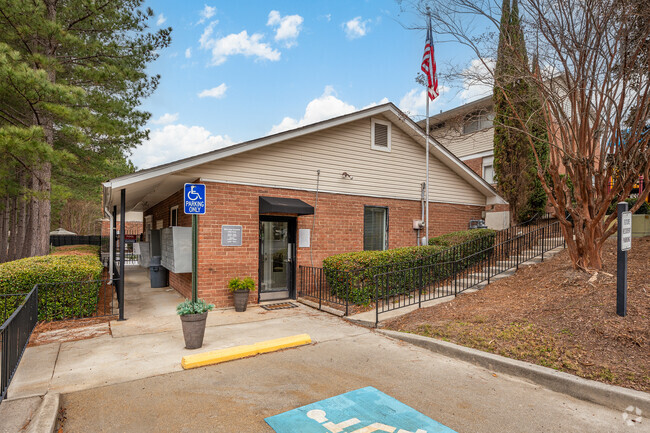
193, 317
240, 289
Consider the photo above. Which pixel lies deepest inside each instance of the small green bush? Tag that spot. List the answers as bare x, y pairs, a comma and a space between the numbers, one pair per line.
241, 284
188, 307
351, 276
644, 209
56, 300
460, 237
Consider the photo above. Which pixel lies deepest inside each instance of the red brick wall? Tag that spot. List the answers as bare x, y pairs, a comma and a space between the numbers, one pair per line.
338, 229
131, 227
476, 164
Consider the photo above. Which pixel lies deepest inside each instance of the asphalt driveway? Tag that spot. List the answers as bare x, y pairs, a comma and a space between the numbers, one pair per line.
238, 395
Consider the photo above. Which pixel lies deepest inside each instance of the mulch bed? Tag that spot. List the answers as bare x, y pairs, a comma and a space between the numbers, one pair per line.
552, 315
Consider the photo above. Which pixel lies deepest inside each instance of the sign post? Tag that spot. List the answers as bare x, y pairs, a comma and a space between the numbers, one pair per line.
194, 204
624, 245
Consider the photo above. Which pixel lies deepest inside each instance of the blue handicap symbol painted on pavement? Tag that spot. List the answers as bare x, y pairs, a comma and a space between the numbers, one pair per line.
364, 410
194, 198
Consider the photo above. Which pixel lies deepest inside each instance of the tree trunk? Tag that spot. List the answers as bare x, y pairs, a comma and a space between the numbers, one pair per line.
4, 223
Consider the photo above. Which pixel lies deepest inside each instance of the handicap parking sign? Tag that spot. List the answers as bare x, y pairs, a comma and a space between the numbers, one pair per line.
364, 410
194, 198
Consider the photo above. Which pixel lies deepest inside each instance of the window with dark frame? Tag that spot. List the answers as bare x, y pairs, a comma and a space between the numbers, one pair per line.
375, 228
478, 121
173, 216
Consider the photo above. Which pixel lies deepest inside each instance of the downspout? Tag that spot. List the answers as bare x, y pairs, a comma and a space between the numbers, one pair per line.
313, 221
111, 240
422, 194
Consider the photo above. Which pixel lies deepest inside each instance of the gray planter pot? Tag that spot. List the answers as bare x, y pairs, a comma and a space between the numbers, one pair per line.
241, 299
194, 329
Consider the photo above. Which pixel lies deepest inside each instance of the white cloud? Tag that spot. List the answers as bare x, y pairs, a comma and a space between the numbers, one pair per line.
356, 28
188, 53
207, 13
413, 103
165, 119
216, 92
236, 43
477, 80
324, 107
174, 142
374, 104
287, 28
161, 20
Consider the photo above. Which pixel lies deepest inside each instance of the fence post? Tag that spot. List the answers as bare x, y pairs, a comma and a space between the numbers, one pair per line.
347, 293
321, 276
517, 256
455, 278
420, 289
543, 243
376, 300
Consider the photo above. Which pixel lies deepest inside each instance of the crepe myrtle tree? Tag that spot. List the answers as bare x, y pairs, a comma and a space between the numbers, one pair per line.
592, 78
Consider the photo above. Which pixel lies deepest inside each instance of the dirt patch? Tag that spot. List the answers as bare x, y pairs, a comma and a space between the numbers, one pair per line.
552, 315
69, 330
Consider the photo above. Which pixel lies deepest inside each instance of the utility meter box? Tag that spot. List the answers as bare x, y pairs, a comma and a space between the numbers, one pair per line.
144, 258
418, 224
176, 249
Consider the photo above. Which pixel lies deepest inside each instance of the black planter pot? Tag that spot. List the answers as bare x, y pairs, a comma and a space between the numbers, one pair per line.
241, 299
194, 329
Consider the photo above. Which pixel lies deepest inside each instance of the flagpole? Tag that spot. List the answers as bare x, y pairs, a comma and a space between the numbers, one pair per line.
426, 95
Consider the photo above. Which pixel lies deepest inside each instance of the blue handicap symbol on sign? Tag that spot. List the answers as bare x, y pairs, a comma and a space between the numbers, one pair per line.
364, 410
194, 198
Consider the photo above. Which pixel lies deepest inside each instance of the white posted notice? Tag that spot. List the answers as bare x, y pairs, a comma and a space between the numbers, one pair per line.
626, 231
304, 238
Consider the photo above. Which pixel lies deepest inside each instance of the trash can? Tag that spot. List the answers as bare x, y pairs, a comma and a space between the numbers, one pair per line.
157, 274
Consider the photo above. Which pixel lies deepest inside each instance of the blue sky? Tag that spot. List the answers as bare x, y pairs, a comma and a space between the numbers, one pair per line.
237, 70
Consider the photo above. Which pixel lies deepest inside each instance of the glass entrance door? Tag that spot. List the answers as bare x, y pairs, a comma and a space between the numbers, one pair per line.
277, 241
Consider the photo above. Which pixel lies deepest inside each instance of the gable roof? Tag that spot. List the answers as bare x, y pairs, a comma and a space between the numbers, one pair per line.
478, 104
168, 178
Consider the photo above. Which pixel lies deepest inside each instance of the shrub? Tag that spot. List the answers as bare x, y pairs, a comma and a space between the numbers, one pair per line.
351, 276
241, 284
55, 299
188, 307
461, 237
644, 209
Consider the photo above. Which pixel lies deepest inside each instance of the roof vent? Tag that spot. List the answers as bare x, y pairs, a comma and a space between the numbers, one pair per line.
380, 135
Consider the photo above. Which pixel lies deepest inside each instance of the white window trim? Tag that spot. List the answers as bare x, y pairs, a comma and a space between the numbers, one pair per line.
373, 121
171, 209
487, 162
148, 225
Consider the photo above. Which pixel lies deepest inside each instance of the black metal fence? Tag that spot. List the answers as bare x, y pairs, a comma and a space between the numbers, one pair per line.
14, 336
406, 287
447, 273
313, 285
61, 240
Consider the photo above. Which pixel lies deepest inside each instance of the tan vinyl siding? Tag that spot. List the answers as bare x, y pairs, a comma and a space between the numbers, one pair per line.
463, 145
346, 148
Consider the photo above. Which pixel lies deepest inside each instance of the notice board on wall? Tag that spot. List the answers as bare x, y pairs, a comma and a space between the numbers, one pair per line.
231, 236
303, 238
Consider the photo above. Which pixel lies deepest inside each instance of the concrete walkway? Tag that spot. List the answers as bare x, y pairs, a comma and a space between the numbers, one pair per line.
150, 342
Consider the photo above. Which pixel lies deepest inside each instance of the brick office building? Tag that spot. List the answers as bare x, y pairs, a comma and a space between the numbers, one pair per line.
290, 199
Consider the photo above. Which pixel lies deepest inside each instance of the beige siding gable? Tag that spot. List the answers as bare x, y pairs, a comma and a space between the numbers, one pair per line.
463, 145
346, 148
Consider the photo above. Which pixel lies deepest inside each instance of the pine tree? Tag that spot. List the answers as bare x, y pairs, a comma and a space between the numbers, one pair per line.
76, 111
514, 102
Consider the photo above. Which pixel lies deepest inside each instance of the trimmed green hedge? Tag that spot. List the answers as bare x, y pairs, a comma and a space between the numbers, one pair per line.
460, 237
351, 276
56, 300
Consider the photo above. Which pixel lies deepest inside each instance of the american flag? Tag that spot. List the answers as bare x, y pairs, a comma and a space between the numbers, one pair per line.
429, 65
